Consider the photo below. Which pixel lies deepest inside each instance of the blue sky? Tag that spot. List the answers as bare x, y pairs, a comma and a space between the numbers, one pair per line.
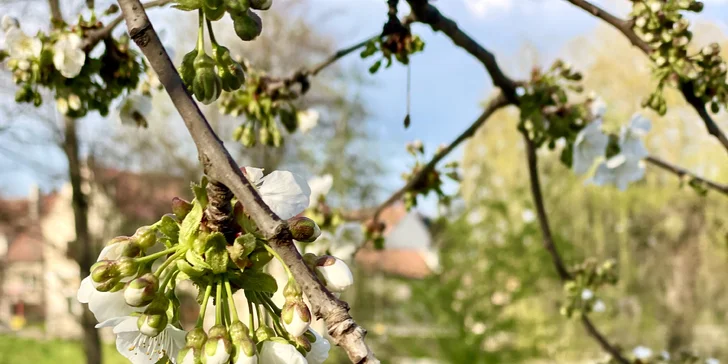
448, 84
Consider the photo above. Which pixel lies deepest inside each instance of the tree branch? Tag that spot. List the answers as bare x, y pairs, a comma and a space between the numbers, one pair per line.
219, 166
549, 245
56, 14
687, 88
423, 12
94, 37
682, 172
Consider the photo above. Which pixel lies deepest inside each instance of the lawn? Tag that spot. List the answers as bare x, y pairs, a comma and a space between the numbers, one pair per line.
15, 350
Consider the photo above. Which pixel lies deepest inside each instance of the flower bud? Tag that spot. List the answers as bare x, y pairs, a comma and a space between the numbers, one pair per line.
62, 105
247, 25
303, 343
127, 267
145, 236
218, 346
264, 333
141, 291
213, 9
196, 338
248, 137
74, 102
181, 207
230, 72
189, 355
243, 345
261, 4
153, 321
296, 317
207, 85
103, 270
335, 272
187, 69
304, 229
236, 7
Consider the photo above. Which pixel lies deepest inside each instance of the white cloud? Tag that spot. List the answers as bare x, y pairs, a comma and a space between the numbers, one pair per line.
482, 8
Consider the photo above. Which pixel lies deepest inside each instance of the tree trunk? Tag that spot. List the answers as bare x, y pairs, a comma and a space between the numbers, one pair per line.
85, 248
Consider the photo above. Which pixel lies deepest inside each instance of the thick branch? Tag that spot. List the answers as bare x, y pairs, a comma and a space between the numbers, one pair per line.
498, 102
94, 37
220, 167
549, 245
219, 211
428, 14
682, 172
56, 14
687, 88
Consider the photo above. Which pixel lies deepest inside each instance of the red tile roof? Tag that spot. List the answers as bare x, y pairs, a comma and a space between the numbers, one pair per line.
401, 262
25, 247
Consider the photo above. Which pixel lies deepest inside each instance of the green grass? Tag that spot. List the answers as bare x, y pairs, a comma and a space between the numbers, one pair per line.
15, 350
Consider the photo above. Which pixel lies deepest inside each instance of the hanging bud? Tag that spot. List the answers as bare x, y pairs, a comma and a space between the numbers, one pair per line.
248, 137
304, 229
230, 72
247, 25
264, 333
213, 9
218, 347
145, 236
189, 355
261, 4
127, 267
243, 345
141, 291
335, 272
104, 270
154, 319
296, 317
187, 68
236, 7
302, 343
207, 85
292, 291
181, 207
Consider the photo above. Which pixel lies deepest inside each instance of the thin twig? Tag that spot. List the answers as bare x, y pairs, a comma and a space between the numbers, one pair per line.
549, 245
94, 37
687, 88
682, 172
219, 166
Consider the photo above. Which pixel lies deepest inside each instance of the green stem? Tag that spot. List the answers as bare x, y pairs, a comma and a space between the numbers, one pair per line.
273, 253
218, 303
261, 321
169, 261
212, 34
153, 257
251, 322
231, 300
169, 276
271, 304
201, 33
203, 308
274, 316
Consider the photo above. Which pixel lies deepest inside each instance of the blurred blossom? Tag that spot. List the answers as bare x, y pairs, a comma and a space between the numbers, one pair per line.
587, 294
475, 217
500, 298
712, 361
320, 187
665, 355
599, 306
590, 144
528, 216
598, 108
513, 284
68, 55
642, 352
307, 120
478, 328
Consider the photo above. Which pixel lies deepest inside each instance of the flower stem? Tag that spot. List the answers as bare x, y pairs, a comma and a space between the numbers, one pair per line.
153, 257
212, 34
231, 301
168, 277
203, 308
169, 261
273, 315
271, 304
261, 320
273, 253
218, 303
201, 33
251, 321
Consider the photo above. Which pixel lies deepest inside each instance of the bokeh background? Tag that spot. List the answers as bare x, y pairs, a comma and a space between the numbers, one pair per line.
465, 284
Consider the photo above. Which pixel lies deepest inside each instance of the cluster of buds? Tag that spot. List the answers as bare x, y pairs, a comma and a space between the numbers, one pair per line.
61, 62
580, 291
663, 26
399, 45
431, 181
247, 23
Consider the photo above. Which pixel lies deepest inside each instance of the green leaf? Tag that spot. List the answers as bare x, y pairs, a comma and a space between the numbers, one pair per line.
169, 226
216, 254
196, 260
192, 271
187, 5
254, 281
190, 225
375, 67
200, 191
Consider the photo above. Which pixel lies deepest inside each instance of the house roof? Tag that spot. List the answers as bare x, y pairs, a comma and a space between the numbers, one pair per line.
25, 247
401, 262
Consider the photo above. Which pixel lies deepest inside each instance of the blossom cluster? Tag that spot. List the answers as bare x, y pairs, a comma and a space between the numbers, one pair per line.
644, 355
662, 24
580, 291
132, 287
60, 61
400, 45
432, 181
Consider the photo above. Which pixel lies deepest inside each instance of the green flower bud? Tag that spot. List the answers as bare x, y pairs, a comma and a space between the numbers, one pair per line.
242, 343
129, 248
264, 136
277, 138
261, 4
302, 343
264, 333
248, 25
110, 285
206, 85
304, 229
196, 338
237, 7
218, 347
213, 9
230, 72
104, 270
145, 236
180, 207
248, 137
292, 291
187, 69
154, 320
127, 267
141, 291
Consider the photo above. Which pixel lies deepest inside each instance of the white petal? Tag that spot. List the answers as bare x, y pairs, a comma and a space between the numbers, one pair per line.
86, 290
244, 359
297, 327
220, 356
338, 276
590, 144
320, 186
307, 120
110, 252
113, 322
9, 22
254, 174
279, 353
138, 348
319, 350
286, 193
107, 305
640, 124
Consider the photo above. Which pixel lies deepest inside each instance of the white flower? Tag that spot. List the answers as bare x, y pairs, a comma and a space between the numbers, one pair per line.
590, 144
665, 355
220, 356
320, 187
336, 273
619, 171
528, 216
599, 306
631, 136
342, 244
134, 110
189, 358
68, 55
598, 108
62, 105
587, 294
274, 352
21, 47
475, 217
105, 305
244, 359
319, 350
74, 102
287, 194
140, 348
9, 22
642, 352
307, 120
712, 361
298, 324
